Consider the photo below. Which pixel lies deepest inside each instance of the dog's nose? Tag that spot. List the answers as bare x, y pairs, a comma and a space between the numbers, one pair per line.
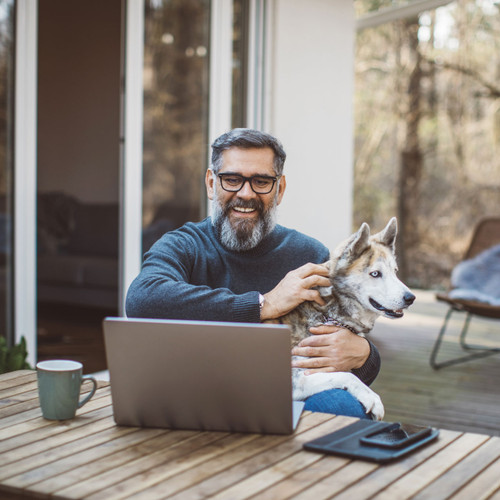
409, 298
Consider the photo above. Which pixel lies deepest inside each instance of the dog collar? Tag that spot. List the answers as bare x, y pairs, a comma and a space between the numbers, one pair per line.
328, 320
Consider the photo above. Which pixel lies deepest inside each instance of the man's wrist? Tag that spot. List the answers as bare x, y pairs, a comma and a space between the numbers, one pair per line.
266, 308
365, 355
262, 301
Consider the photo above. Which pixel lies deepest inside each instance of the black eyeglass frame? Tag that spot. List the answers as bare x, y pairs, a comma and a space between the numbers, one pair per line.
249, 180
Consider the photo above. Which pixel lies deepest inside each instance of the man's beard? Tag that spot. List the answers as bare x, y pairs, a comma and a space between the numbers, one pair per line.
246, 233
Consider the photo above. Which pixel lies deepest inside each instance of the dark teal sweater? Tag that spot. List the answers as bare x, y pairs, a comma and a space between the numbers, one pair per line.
188, 274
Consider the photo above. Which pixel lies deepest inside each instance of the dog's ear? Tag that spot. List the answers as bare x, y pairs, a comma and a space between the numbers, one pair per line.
356, 244
388, 235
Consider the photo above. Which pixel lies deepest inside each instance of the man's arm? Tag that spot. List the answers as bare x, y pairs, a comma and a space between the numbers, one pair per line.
334, 349
154, 297
296, 287
164, 289
183, 279
369, 371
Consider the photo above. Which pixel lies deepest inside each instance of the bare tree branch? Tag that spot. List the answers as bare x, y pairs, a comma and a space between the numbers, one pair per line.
494, 91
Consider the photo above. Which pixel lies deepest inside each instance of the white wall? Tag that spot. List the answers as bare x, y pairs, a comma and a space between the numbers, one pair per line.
310, 111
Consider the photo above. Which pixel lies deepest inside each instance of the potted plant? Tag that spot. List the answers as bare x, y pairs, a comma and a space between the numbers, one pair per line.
13, 358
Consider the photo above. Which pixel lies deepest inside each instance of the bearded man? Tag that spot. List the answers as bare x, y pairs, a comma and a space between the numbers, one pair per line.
240, 265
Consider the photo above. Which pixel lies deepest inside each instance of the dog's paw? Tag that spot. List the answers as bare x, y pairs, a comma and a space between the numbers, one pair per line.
305, 386
373, 405
366, 396
369, 399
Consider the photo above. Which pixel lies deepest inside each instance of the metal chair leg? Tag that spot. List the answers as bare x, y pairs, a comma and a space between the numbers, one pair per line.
439, 339
484, 351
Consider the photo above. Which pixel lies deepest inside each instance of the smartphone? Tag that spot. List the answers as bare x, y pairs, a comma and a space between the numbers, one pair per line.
396, 436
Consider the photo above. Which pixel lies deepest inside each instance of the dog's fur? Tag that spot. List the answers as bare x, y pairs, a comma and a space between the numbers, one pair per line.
364, 285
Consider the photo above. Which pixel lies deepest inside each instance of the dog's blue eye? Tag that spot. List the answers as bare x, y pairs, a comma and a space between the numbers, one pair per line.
376, 274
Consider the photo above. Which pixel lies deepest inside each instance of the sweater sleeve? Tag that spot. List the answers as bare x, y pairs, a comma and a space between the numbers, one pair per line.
369, 371
164, 289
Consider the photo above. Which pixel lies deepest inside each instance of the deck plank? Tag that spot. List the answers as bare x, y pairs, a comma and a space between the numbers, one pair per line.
462, 397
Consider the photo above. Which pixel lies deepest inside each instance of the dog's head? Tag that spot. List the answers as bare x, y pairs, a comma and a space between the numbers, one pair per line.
364, 268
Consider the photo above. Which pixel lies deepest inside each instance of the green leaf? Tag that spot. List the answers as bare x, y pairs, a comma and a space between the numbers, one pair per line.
13, 358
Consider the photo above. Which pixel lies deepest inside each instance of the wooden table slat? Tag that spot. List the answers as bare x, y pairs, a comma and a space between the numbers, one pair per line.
45, 431
494, 496
16, 376
233, 464
90, 457
303, 479
66, 444
11, 393
483, 485
464, 471
18, 406
339, 480
145, 459
384, 476
105, 456
16, 385
251, 472
31, 410
148, 478
427, 472
268, 477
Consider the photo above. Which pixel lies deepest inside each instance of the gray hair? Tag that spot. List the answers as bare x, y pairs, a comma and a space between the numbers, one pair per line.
247, 138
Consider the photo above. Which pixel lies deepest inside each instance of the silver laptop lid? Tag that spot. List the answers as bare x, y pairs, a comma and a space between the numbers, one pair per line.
200, 375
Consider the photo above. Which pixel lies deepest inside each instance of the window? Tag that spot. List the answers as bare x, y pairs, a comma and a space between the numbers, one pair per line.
6, 163
239, 72
176, 75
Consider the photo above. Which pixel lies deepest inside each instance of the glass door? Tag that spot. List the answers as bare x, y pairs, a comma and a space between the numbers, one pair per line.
6, 166
78, 177
176, 89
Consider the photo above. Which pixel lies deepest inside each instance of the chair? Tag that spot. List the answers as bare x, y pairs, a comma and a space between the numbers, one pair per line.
486, 235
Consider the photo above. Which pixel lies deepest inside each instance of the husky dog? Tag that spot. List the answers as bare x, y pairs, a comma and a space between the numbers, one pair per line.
364, 285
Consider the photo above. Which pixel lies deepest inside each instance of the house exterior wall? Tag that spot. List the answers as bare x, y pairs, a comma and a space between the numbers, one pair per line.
310, 110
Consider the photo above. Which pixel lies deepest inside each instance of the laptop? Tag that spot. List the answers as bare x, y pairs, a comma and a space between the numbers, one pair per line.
199, 375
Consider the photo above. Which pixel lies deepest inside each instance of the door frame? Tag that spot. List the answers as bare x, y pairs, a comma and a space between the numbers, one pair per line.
132, 139
25, 146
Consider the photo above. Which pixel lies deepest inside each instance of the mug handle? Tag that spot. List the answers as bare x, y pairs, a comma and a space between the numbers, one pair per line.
92, 392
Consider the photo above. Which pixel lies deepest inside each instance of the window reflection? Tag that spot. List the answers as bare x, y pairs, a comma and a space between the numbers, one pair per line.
176, 75
239, 73
6, 150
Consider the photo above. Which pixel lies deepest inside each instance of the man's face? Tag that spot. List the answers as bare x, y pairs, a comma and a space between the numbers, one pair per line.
244, 218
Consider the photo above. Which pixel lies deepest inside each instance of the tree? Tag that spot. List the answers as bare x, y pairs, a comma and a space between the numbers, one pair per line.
427, 137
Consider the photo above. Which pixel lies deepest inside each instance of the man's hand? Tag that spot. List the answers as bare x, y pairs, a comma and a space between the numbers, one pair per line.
331, 349
294, 289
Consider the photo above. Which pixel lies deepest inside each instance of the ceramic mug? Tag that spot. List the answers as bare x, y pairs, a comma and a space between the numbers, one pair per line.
59, 383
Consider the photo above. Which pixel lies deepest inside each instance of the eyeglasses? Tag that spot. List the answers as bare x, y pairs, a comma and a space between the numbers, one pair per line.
260, 184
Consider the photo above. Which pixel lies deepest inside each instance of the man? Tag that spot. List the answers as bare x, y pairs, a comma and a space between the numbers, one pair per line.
239, 265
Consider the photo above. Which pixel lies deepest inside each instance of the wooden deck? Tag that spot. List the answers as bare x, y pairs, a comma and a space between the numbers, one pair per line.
464, 397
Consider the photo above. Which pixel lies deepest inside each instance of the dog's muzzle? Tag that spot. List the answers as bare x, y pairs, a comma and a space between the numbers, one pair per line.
408, 298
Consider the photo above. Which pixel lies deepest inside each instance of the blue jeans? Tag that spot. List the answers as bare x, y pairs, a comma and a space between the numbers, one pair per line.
336, 401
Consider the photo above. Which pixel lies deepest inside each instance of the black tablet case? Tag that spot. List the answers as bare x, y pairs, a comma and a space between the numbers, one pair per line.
346, 442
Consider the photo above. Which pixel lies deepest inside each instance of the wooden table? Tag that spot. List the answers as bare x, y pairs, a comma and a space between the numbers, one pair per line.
90, 457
